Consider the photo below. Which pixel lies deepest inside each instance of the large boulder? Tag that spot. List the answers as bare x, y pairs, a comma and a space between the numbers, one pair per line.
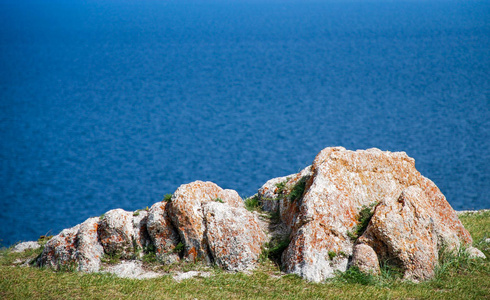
342, 184
186, 212
234, 236
162, 233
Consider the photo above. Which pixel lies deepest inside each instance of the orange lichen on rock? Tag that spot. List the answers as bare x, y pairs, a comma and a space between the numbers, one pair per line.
233, 235
367, 205
342, 184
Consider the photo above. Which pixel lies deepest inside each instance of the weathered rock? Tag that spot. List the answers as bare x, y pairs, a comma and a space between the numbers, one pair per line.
88, 248
342, 184
122, 233
186, 212
162, 233
74, 248
60, 251
412, 231
365, 259
233, 235
21, 247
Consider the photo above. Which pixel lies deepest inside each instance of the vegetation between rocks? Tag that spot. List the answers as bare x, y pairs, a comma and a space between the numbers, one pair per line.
363, 219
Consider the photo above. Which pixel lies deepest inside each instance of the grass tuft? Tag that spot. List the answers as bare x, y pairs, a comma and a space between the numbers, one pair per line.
219, 200
252, 203
363, 219
298, 189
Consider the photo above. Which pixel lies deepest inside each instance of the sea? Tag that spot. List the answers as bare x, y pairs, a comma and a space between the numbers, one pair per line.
110, 104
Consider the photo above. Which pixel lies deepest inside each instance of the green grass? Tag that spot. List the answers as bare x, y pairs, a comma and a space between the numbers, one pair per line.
363, 219
219, 200
458, 278
252, 203
298, 189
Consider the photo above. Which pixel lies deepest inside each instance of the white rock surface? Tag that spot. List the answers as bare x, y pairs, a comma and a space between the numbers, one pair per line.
21, 247
234, 236
475, 253
191, 274
132, 269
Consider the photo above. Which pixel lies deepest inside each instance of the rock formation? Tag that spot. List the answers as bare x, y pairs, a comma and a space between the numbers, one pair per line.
210, 223
349, 208
412, 220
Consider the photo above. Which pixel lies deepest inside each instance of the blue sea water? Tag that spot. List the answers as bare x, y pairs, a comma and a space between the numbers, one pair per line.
112, 104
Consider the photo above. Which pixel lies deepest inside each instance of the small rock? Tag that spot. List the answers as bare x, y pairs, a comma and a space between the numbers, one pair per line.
475, 253
191, 274
365, 259
77, 247
60, 251
89, 250
117, 233
21, 247
132, 269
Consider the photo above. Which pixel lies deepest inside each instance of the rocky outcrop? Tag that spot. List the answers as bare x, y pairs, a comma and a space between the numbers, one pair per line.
342, 184
209, 223
349, 208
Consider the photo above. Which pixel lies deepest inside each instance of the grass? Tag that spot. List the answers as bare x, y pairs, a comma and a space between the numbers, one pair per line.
458, 278
252, 203
298, 189
363, 219
167, 198
274, 249
219, 200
